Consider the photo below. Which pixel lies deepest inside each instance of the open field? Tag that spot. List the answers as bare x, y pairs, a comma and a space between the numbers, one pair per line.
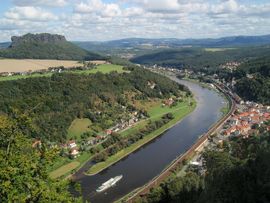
218, 49
78, 127
106, 68
16, 77
22, 65
64, 169
98, 62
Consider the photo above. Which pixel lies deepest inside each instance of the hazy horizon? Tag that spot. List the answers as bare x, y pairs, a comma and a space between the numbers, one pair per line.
144, 38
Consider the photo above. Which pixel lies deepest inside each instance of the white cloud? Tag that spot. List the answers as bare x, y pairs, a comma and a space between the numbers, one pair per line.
103, 20
161, 5
52, 3
98, 7
225, 6
29, 13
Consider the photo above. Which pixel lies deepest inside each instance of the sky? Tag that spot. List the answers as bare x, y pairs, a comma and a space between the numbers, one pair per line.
101, 20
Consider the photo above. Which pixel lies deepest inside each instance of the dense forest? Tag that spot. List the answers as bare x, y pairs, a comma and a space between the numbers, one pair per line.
254, 80
23, 169
198, 58
54, 102
240, 172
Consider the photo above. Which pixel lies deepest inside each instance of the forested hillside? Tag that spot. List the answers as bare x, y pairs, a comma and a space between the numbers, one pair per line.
197, 58
254, 85
54, 102
45, 46
23, 169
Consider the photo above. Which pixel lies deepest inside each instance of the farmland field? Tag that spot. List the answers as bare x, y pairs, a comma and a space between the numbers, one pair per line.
104, 68
21, 65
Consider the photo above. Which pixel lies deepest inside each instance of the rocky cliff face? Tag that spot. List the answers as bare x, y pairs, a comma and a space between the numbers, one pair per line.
44, 37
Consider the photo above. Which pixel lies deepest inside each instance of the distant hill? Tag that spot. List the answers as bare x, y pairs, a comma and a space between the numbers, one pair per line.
174, 42
201, 57
4, 45
46, 46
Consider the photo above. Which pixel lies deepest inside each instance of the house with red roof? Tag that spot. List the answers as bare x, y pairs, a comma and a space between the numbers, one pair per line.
71, 144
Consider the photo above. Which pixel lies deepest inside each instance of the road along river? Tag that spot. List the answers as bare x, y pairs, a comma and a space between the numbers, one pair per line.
144, 164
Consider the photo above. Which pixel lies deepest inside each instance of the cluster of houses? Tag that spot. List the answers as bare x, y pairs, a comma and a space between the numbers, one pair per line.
240, 124
168, 102
96, 140
123, 124
72, 148
249, 114
233, 65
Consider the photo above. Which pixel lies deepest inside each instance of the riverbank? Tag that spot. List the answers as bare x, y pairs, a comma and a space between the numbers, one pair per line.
199, 144
178, 114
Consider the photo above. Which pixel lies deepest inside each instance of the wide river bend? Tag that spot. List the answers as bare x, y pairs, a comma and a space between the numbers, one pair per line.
144, 164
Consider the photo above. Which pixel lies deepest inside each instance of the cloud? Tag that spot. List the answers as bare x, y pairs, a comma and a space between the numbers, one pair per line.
98, 7
161, 5
104, 20
29, 13
51, 3
225, 6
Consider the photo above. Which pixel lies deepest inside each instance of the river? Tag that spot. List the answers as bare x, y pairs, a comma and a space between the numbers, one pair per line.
144, 164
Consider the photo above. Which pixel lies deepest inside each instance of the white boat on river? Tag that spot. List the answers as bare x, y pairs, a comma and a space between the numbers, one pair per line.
109, 183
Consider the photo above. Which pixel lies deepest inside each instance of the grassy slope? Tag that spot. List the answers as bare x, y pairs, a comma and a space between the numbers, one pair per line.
77, 127
179, 112
64, 169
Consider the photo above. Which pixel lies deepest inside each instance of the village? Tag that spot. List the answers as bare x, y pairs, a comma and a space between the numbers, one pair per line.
249, 119
72, 148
